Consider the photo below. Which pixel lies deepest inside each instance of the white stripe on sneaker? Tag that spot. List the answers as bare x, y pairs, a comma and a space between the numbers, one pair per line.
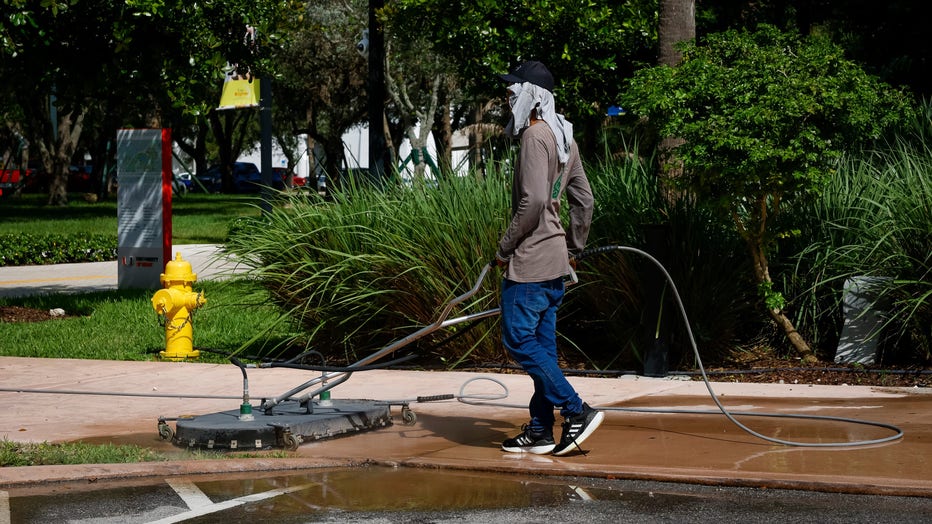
572, 441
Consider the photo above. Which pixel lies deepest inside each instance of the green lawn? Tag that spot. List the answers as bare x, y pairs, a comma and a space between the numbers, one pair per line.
122, 325
197, 218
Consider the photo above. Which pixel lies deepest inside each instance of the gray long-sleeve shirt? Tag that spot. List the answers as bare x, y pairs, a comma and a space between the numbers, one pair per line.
535, 244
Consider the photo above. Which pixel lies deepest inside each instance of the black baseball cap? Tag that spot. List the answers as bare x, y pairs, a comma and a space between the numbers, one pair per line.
533, 72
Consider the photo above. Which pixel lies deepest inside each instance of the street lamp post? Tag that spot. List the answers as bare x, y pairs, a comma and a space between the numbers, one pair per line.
377, 143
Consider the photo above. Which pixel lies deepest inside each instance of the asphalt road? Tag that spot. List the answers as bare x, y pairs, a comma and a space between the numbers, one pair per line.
406, 495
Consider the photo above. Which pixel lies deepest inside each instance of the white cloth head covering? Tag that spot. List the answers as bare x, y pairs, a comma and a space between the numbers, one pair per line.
530, 97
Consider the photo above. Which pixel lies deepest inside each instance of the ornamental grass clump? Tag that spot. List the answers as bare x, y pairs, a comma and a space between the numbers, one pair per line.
375, 264
873, 220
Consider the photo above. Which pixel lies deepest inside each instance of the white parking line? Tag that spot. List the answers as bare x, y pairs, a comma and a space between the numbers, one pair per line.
190, 493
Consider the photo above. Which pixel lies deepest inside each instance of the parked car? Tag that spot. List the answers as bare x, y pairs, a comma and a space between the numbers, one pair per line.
246, 178
209, 180
280, 178
298, 181
179, 187
12, 181
322, 184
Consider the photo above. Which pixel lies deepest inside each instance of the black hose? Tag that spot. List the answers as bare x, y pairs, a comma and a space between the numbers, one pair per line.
240, 365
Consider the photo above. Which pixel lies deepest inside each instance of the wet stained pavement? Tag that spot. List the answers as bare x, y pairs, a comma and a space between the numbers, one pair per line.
700, 448
697, 448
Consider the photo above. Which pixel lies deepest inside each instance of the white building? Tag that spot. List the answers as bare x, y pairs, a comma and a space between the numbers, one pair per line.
356, 153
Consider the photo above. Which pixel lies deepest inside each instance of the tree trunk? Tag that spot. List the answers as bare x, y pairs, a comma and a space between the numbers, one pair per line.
677, 24
221, 123
444, 130
762, 274
414, 116
333, 159
476, 142
420, 137
57, 158
197, 150
227, 127
391, 150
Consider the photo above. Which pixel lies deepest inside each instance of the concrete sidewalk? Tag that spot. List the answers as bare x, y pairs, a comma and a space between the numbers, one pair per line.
121, 402
19, 281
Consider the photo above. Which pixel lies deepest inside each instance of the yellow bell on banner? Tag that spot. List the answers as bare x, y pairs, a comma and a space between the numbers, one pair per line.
239, 93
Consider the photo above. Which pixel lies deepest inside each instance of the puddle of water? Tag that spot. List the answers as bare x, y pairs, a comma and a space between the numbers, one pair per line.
408, 489
380, 494
329, 491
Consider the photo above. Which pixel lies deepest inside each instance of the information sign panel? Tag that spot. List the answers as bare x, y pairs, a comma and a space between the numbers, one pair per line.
143, 206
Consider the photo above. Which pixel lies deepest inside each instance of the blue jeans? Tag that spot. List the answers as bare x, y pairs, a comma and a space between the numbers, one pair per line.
529, 332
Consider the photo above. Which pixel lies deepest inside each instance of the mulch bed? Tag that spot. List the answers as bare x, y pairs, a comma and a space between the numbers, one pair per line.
26, 314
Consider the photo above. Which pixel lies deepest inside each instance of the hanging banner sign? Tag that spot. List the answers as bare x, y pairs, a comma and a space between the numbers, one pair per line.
239, 93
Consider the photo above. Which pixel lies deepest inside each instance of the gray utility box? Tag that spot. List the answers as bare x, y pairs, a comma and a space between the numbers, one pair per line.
864, 318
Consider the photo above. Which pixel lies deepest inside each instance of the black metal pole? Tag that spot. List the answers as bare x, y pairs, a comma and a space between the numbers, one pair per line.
265, 122
377, 143
657, 337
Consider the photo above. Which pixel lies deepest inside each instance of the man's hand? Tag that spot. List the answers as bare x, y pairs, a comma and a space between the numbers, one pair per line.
573, 263
499, 262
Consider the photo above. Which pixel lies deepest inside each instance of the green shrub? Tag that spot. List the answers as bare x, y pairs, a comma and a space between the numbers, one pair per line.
761, 118
22, 249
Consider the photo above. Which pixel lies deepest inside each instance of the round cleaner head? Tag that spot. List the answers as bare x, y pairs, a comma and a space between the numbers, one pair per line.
287, 426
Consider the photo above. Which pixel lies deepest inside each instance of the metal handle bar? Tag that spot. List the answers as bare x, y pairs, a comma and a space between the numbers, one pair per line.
341, 376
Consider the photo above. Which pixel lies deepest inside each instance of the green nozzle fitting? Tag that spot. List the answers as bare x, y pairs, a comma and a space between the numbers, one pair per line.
325, 398
245, 412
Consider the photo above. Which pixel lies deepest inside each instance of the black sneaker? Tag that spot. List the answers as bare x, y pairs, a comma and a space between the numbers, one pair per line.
577, 429
529, 442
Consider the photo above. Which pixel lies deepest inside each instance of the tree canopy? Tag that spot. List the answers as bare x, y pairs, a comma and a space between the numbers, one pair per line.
134, 63
590, 47
67, 59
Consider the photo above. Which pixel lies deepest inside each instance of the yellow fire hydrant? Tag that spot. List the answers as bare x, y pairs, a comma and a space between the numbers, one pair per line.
176, 302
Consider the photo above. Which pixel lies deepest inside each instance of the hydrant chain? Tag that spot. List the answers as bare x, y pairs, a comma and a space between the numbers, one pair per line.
175, 305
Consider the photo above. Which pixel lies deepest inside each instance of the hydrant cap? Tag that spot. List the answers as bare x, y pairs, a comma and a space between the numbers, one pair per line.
177, 270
